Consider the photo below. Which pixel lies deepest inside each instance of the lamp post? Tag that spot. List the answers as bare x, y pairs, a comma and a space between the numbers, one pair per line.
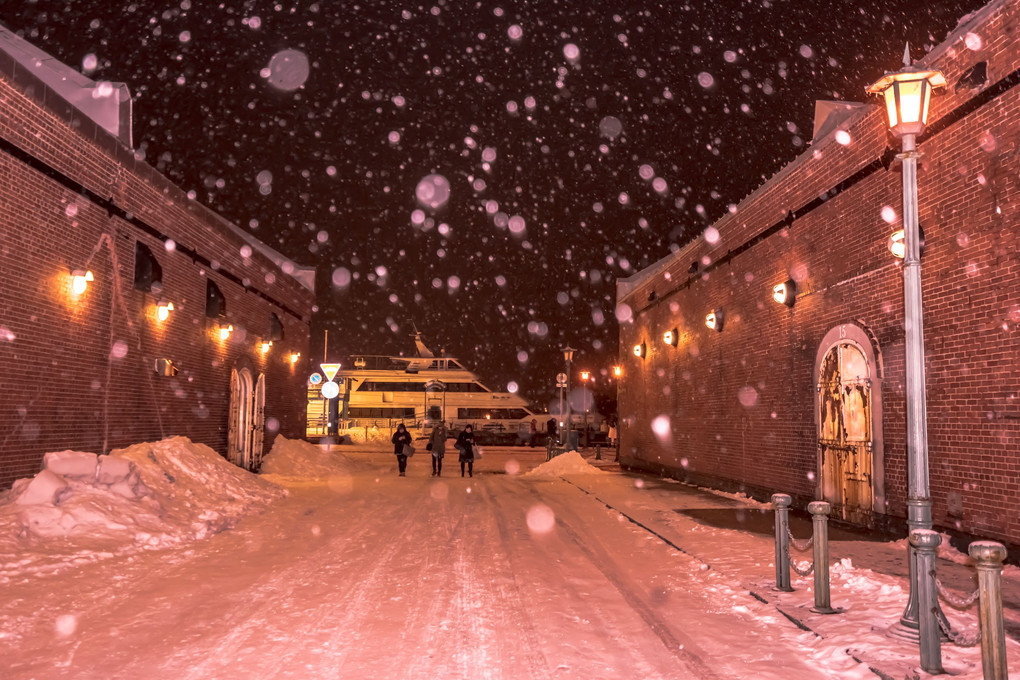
568, 356
907, 93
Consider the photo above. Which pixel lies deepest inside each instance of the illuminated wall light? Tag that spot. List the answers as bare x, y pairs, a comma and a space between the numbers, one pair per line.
80, 280
163, 310
225, 330
617, 371
585, 375
714, 320
264, 345
640, 350
671, 337
785, 293
898, 244
294, 356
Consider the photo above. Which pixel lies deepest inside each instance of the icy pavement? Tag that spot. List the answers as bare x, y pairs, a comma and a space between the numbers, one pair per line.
567, 572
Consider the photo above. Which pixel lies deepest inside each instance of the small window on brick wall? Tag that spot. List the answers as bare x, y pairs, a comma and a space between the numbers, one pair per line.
215, 303
275, 327
148, 272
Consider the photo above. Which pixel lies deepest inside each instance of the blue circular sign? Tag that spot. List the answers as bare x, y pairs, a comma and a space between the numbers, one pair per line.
315, 378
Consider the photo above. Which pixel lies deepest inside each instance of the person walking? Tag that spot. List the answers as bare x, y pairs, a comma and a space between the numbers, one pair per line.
400, 439
533, 429
466, 444
438, 441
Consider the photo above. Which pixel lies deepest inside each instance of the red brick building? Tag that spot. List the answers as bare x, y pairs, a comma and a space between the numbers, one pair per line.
810, 399
100, 369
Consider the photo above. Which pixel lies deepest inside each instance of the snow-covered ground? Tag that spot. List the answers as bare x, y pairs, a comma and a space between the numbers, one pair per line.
329, 565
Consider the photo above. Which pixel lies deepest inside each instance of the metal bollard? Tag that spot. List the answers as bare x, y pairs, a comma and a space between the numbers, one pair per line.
598, 452
989, 556
781, 502
926, 542
820, 530
548, 450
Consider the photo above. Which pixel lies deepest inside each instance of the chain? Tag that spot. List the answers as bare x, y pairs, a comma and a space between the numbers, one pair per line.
802, 546
958, 602
806, 572
959, 639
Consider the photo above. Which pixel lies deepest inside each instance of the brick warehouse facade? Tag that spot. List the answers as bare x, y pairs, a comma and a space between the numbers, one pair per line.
79, 372
755, 406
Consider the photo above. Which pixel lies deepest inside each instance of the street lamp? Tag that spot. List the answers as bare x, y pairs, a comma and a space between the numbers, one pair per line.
907, 93
585, 376
568, 356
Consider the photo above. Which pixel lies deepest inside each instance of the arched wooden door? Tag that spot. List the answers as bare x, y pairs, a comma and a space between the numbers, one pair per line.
254, 458
239, 426
845, 441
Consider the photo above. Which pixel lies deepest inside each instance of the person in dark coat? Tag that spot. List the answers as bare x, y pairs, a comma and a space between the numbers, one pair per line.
438, 441
466, 444
400, 438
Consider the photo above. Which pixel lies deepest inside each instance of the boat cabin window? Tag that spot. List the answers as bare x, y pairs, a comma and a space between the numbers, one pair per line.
376, 386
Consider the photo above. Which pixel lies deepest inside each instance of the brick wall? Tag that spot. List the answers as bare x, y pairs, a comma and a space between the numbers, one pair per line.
741, 403
78, 373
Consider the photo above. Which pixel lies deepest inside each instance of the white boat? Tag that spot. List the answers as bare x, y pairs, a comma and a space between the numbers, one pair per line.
378, 392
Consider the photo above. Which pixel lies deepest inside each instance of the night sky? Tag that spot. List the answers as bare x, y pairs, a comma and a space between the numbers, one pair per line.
580, 142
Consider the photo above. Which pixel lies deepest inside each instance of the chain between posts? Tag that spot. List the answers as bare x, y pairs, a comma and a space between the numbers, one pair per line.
958, 638
807, 572
802, 546
957, 602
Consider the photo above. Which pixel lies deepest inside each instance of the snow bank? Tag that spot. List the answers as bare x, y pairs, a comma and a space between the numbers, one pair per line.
569, 463
146, 496
292, 459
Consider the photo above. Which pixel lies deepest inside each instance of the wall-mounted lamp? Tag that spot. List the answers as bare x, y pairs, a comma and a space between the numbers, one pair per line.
225, 330
785, 293
294, 356
640, 350
617, 371
80, 280
671, 337
163, 309
714, 320
898, 246
264, 345
585, 375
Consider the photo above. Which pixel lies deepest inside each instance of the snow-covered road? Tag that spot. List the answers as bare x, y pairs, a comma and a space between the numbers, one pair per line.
375, 576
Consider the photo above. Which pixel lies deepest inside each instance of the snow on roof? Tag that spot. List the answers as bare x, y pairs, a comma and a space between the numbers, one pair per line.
107, 104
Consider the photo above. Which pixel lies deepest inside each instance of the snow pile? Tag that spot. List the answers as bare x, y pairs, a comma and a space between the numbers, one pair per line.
148, 495
298, 459
569, 463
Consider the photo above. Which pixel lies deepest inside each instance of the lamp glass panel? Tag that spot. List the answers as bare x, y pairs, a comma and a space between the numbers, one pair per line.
890, 105
910, 100
926, 97
637, 350
710, 320
779, 293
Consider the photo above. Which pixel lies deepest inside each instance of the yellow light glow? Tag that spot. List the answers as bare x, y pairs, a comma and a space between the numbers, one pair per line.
225, 331
617, 371
264, 345
898, 244
907, 94
667, 337
80, 281
779, 293
294, 356
584, 375
710, 320
163, 310
637, 350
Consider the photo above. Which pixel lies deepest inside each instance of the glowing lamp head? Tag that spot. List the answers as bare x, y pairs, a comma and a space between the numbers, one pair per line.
785, 293
617, 371
898, 244
640, 351
671, 337
710, 320
80, 279
907, 93
163, 310
225, 330
585, 375
714, 320
294, 356
264, 345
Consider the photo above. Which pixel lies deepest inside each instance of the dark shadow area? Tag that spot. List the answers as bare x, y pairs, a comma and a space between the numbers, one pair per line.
762, 521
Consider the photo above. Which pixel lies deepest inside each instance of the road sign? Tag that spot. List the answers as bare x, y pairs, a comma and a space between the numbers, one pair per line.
561, 378
330, 389
330, 370
315, 378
